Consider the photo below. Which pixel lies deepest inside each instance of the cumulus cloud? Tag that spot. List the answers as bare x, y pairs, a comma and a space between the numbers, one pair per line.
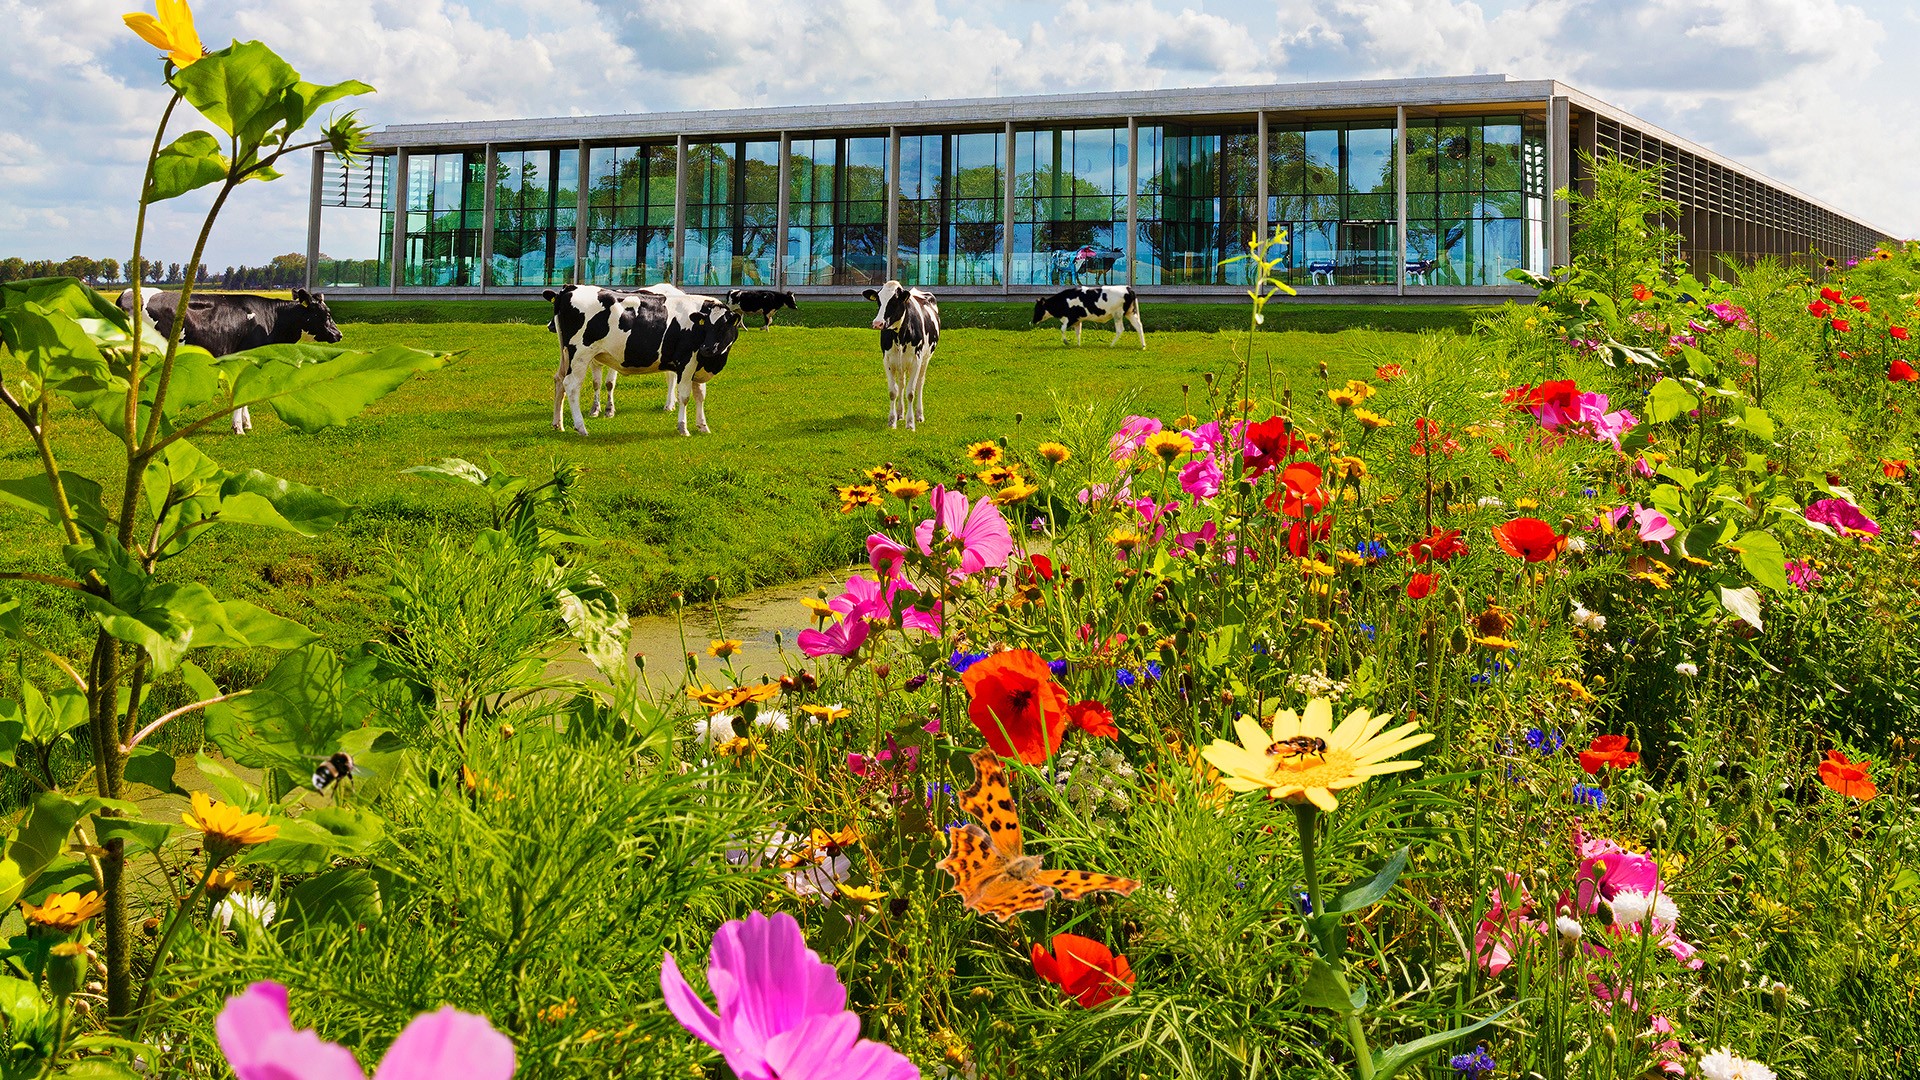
1795, 88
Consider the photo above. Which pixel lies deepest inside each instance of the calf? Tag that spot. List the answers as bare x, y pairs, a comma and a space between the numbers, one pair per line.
225, 323
688, 337
761, 302
609, 375
1099, 304
909, 325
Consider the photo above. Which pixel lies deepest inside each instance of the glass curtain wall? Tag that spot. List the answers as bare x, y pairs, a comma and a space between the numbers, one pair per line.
629, 215
732, 202
535, 204
1197, 204
812, 165
388, 188
1332, 187
862, 223
1476, 191
1070, 206
444, 200
951, 202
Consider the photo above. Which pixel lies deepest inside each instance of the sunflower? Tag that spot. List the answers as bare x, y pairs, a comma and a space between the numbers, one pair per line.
985, 453
1054, 452
1168, 446
1346, 755
64, 911
227, 828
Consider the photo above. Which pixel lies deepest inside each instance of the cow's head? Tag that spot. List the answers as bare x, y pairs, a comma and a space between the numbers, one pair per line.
1039, 311
717, 327
891, 299
787, 299
315, 319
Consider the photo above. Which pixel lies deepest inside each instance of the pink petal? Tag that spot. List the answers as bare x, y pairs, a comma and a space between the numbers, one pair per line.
686, 1006
816, 1050
780, 982
448, 1045
261, 1044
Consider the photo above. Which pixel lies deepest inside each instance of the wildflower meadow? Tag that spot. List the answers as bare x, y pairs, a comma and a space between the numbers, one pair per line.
1533, 702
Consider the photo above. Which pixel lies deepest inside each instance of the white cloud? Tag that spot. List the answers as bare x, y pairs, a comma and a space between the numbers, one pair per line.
1795, 88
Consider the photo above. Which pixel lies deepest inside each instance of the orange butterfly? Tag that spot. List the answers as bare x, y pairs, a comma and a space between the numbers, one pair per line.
991, 871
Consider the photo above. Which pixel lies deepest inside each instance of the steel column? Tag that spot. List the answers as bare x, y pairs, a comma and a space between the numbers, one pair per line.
488, 207
315, 192
397, 256
780, 212
893, 203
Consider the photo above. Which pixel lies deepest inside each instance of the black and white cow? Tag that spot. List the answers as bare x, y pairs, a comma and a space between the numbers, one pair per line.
761, 302
909, 325
1097, 304
639, 333
609, 375
224, 323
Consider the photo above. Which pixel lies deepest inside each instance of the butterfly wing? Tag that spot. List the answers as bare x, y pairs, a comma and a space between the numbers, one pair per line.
1077, 884
990, 802
983, 876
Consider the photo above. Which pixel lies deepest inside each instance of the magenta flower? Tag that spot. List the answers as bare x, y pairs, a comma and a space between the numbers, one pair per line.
1843, 516
980, 531
885, 554
1132, 435
843, 638
1802, 576
1202, 478
1208, 437
1652, 525
260, 1042
783, 1013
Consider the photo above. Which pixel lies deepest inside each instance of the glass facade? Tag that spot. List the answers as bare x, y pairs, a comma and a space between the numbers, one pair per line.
1476, 207
1070, 206
630, 215
1476, 199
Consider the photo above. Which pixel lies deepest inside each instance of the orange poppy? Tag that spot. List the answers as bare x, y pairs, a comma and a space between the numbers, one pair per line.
1529, 538
1607, 752
1019, 709
1419, 586
1084, 970
1849, 778
1093, 718
1901, 371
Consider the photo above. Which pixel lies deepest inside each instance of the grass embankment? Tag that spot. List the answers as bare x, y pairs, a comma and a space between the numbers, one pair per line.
749, 505
1015, 315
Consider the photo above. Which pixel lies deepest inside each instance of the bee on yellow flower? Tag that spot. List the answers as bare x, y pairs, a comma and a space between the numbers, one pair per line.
1055, 453
1018, 491
722, 648
1371, 420
909, 490
985, 453
854, 496
1168, 446
1351, 394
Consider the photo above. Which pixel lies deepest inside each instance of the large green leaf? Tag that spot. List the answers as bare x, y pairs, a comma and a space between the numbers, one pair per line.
242, 89
40, 841
153, 768
294, 717
63, 294
140, 837
1325, 989
20, 1003
346, 896
189, 162
306, 844
46, 717
1365, 894
191, 492
1670, 400
314, 387
304, 99
1388, 1063
1764, 558
35, 493
55, 347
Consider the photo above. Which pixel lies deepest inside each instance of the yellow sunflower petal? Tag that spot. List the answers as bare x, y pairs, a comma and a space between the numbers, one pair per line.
1285, 725
1323, 799
149, 29
1317, 719
1252, 736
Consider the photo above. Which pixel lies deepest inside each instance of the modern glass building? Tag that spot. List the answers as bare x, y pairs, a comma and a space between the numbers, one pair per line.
1423, 188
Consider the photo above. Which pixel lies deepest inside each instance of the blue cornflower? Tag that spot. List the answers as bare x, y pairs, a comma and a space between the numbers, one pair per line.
1476, 680
1153, 669
1592, 796
1058, 667
1306, 903
1372, 549
961, 661
1125, 678
1545, 740
1475, 1066
1589, 493
1260, 647
1498, 666
1367, 629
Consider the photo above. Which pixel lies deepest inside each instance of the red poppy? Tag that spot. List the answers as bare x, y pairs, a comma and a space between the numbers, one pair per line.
1388, 372
1845, 355
1500, 453
1561, 392
1898, 333
1819, 309
1420, 586
1529, 538
1901, 371
1842, 325
1438, 545
1858, 303
1607, 752
1085, 970
1301, 536
1832, 295
1847, 777
1017, 706
1428, 435
1269, 442
1042, 566
1642, 293
1093, 718
1303, 495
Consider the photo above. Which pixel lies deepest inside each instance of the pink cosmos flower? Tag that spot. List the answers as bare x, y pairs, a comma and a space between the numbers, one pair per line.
843, 638
1502, 929
1202, 478
783, 1013
1132, 435
1208, 438
1843, 516
885, 554
980, 531
260, 1042
1184, 543
1802, 576
1652, 525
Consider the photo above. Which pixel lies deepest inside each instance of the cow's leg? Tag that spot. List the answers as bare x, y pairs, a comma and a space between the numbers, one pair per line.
1119, 330
893, 389
560, 390
598, 376
577, 375
700, 407
1079, 333
612, 378
1064, 323
246, 417
684, 386
920, 385
672, 385
766, 320
1141, 330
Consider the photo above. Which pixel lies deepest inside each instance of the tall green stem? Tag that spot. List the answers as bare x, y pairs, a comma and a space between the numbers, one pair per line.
1307, 816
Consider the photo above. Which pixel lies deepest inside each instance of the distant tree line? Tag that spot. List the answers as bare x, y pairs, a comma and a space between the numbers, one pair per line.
283, 272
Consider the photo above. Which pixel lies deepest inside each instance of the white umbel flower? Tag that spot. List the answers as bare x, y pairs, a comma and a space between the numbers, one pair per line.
1687, 669
1721, 1064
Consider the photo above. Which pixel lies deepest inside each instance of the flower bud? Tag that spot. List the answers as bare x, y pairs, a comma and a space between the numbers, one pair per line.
1778, 992
67, 967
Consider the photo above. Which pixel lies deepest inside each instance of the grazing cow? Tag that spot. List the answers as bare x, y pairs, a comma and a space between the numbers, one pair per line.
1098, 304
224, 323
909, 325
761, 302
609, 375
639, 333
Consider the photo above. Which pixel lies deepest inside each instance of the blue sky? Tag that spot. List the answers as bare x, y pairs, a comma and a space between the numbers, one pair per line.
1817, 93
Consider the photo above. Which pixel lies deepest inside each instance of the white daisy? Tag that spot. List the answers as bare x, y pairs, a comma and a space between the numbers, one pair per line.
1721, 1064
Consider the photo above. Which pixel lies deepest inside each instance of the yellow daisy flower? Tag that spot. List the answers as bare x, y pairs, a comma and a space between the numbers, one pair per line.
64, 911
854, 496
1168, 446
1371, 420
172, 32
1321, 625
999, 474
1350, 395
864, 893
826, 713
1306, 758
985, 453
1017, 491
227, 828
1054, 452
883, 474
741, 747
906, 489
1312, 567
723, 647
1126, 540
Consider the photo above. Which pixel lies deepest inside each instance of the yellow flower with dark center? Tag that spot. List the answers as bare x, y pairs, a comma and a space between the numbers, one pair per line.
839, 838
999, 474
1321, 625
1168, 446
222, 882
742, 747
1573, 689
883, 474
909, 490
723, 647
1495, 621
1126, 540
64, 911
985, 453
854, 496
1018, 491
1349, 468
1305, 758
172, 32
820, 609
1351, 394
1526, 504
1054, 452
759, 692
1494, 642
863, 893
1371, 420
826, 713
227, 828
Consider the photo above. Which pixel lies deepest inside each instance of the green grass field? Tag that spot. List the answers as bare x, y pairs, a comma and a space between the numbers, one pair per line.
749, 505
